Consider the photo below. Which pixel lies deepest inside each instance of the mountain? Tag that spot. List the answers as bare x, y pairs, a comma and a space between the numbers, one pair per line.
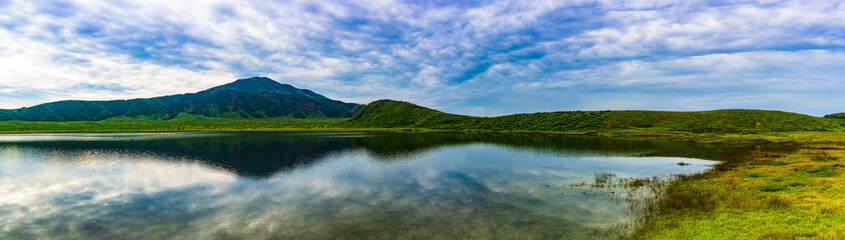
257, 97
260, 85
396, 114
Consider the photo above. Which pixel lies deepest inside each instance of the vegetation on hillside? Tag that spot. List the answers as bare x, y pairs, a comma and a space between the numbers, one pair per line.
395, 114
836, 115
245, 98
388, 114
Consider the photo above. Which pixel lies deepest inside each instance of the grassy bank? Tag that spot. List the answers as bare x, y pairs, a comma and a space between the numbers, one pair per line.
785, 186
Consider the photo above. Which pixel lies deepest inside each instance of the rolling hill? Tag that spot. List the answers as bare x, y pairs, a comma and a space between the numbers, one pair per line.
262, 103
256, 97
396, 114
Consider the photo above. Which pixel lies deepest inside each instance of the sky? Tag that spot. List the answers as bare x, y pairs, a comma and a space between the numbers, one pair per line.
477, 57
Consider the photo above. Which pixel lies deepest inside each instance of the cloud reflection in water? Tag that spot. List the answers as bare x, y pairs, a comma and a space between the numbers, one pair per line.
293, 185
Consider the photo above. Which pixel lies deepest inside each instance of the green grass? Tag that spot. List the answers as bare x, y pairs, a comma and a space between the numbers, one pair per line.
790, 186
182, 122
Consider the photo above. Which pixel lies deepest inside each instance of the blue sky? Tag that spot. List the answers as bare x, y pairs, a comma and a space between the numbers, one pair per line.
469, 57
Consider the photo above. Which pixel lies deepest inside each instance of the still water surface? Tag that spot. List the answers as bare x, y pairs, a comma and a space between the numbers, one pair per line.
319, 185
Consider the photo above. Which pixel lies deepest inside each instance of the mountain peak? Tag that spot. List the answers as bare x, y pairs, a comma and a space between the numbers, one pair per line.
256, 80
259, 85
256, 97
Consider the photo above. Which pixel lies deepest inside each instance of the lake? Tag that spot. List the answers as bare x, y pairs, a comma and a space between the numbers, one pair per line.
323, 185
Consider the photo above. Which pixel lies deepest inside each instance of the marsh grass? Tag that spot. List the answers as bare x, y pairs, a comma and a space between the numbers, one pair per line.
790, 186
819, 171
641, 196
771, 163
821, 156
753, 175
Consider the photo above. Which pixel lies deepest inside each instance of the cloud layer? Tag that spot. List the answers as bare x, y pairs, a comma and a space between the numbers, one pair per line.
469, 57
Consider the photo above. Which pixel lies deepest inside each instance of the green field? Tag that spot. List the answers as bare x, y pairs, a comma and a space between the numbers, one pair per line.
182, 122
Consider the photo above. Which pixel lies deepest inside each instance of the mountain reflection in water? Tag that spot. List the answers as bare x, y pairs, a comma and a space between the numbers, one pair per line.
262, 155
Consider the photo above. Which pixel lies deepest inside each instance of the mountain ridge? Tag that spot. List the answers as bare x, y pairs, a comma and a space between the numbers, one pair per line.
256, 97
397, 114
258, 85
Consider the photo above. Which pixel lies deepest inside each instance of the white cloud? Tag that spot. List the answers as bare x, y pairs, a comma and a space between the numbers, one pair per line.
454, 56
31, 66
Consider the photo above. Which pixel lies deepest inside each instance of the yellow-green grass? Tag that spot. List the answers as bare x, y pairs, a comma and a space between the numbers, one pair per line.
790, 186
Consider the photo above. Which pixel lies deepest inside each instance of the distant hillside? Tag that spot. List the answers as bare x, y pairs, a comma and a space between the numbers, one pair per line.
836, 115
395, 114
256, 97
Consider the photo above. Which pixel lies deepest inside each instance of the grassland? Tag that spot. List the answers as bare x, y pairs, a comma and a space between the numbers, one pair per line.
183, 122
784, 178
786, 186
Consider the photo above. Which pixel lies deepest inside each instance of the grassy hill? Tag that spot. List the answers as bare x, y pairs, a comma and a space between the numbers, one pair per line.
256, 97
396, 114
252, 112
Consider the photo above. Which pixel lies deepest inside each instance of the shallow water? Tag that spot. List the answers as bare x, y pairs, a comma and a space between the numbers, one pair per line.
319, 185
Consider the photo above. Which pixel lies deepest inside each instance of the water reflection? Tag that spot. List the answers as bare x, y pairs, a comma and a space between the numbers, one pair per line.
316, 185
262, 155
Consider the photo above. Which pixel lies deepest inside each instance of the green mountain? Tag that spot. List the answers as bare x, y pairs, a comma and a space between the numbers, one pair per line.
395, 114
256, 97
